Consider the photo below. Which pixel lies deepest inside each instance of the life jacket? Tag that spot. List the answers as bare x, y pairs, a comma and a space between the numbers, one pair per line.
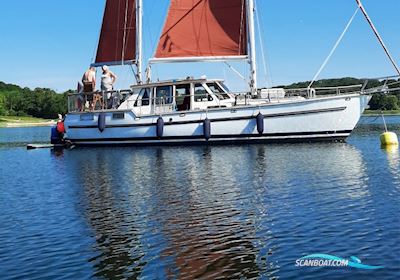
60, 127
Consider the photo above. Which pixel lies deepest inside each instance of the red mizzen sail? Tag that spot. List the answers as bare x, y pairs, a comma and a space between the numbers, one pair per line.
204, 28
117, 44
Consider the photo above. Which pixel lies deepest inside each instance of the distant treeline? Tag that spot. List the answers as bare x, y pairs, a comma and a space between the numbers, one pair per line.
46, 103
379, 101
40, 102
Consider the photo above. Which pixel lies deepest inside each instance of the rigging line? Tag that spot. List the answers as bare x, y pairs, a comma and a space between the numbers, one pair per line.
124, 36
183, 17
241, 27
360, 5
235, 71
133, 72
118, 30
262, 48
333, 49
153, 41
262, 33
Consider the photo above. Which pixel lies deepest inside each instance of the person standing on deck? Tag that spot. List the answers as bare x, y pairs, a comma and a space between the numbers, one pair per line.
108, 79
89, 84
89, 80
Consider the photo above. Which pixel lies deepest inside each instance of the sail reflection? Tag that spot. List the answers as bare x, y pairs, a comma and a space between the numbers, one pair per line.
191, 212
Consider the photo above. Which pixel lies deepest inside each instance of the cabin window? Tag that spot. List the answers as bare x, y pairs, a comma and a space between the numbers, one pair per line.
118, 116
201, 94
87, 117
218, 91
182, 97
221, 84
164, 95
144, 97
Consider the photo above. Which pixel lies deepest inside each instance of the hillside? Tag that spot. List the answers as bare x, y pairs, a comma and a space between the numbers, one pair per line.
378, 102
40, 102
46, 103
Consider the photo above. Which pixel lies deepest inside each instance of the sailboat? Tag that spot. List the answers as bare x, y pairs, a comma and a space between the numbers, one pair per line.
201, 110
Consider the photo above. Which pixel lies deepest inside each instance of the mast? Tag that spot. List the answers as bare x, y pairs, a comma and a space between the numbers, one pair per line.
139, 32
252, 47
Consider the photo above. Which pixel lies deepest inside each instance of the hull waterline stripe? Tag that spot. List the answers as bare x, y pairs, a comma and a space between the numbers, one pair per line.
218, 142
275, 136
216, 120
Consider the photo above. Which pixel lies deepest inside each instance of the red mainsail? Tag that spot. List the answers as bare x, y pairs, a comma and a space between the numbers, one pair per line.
117, 44
204, 28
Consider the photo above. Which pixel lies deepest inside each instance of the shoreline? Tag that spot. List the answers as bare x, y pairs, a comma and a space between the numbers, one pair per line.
27, 124
13, 121
374, 113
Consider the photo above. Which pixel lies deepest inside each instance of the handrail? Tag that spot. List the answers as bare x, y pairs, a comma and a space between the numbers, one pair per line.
314, 92
105, 99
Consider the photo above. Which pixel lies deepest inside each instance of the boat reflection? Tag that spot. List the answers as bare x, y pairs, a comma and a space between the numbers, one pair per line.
205, 211
172, 210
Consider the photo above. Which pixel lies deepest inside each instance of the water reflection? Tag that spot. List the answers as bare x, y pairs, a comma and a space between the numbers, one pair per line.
177, 212
393, 157
245, 211
203, 211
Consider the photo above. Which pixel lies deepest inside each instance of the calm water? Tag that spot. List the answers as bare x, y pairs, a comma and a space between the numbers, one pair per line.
236, 212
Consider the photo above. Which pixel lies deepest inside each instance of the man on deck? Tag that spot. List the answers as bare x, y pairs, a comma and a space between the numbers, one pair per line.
89, 84
89, 80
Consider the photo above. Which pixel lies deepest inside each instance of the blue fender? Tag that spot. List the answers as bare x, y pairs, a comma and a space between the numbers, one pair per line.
160, 127
207, 129
101, 124
260, 123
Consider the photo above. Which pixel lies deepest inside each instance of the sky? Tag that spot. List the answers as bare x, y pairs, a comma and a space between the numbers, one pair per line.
48, 43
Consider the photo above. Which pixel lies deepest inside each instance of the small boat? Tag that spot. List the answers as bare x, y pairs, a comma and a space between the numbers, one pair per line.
202, 110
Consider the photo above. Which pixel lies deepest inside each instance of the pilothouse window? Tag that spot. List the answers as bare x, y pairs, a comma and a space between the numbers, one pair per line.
164, 95
218, 91
144, 97
182, 97
201, 94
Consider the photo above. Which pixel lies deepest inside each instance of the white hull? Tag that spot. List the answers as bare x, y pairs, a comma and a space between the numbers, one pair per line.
317, 119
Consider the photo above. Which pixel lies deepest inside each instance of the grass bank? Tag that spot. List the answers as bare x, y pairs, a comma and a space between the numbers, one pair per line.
378, 112
13, 121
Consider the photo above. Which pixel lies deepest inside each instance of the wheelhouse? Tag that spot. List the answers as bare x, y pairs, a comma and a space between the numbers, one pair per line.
158, 98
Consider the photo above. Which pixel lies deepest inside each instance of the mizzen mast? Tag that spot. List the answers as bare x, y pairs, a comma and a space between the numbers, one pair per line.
139, 40
252, 47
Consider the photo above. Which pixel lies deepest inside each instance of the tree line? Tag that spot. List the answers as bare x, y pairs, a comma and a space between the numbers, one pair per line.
40, 102
389, 100
46, 103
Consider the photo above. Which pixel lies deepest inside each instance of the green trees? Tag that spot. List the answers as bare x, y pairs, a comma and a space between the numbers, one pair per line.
384, 102
379, 101
40, 102
46, 103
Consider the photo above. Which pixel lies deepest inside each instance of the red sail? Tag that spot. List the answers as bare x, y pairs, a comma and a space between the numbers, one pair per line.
204, 28
117, 44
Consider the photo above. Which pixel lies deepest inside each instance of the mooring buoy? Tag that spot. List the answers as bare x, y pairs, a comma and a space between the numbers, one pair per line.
388, 138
